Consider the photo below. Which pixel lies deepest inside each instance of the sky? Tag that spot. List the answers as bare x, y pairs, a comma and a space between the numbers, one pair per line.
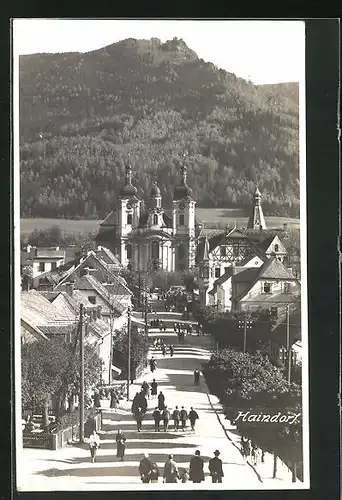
261, 51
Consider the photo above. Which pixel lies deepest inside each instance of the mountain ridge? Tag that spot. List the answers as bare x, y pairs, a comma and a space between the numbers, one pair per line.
82, 114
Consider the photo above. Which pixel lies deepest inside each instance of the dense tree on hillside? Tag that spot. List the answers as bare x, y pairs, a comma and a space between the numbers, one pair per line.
81, 115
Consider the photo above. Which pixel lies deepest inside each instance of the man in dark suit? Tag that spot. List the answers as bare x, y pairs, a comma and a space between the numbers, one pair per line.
215, 468
196, 468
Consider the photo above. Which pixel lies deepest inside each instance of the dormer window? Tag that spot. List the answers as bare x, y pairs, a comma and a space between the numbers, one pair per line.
276, 248
155, 219
267, 288
92, 299
129, 219
286, 287
181, 220
223, 251
129, 251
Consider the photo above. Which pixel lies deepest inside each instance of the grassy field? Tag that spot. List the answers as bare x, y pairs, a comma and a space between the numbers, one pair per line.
215, 215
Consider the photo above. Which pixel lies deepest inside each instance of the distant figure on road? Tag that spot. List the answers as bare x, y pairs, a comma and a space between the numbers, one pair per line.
245, 448
94, 445
175, 327
163, 349
154, 475
135, 402
164, 327
193, 416
114, 401
157, 418
196, 468
196, 376
176, 418
255, 454
146, 389
153, 364
166, 418
215, 468
170, 471
161, 401
139, 415
145, 469
171, 350
154, 388
120, 445
183, 417
97, 402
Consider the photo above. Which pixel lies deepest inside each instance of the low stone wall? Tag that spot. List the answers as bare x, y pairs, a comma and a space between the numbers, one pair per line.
59, 439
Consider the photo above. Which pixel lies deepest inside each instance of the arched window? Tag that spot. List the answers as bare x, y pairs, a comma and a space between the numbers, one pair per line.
181, 252
129, 251
181, 220
155, 250
155, 219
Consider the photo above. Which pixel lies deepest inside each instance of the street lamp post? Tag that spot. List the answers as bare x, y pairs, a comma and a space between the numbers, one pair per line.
244, 324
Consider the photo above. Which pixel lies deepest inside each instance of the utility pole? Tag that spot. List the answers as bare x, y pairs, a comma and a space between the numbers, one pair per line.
129, 352
111, 346
288, 346
146, 322
244, 324
81, 376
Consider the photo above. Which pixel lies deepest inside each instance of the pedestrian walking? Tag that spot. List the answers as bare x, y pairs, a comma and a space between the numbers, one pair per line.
164, 327
175, 327
176, 418
196, 376
183, 417
193, 416
171, 473
215, 468
185, 476
255, 454
154, 388
135, 403
145, 389
114, 401
160, 327
161, 401
154, 474
145, 469
94, 445
153, 364
97, 402
163, 350
139, 415
196, 472
157, 418
166, 418
120, 445
245, 448
171, 350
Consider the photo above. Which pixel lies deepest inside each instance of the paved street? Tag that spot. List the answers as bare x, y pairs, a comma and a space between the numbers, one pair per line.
70, 468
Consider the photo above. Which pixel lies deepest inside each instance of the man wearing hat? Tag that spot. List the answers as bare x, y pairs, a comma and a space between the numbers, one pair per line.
215, 468
196, 472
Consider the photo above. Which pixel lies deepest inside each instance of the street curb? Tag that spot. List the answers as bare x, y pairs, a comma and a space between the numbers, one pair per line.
229, 438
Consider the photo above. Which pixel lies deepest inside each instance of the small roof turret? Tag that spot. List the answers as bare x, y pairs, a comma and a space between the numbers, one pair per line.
128, 190
155, 191
182, 191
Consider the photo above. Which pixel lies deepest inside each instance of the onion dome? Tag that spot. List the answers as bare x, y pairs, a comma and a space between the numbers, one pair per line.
155, 191
182, 191
128, 190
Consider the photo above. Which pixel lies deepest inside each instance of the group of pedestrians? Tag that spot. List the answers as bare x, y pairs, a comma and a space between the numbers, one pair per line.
179, 417
249, 450
149, 471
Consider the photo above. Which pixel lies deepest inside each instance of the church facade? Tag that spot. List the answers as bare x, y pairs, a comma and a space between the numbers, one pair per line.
152, 239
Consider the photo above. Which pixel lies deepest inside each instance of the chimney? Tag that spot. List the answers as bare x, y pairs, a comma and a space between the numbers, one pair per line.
57, 248
99, 247
69, 287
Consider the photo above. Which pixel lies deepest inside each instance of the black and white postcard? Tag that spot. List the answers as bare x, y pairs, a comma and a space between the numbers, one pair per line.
161, 325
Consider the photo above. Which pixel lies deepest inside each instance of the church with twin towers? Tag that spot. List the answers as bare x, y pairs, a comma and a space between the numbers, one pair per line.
145, 237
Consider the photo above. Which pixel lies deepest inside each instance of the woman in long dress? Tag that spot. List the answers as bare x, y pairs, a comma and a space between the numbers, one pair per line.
120, 445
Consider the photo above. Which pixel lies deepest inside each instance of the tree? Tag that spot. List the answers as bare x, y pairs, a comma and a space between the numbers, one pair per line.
246, 382
50, 373
139, 349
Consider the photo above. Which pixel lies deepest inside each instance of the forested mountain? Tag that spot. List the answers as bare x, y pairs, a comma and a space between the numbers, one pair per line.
83, 115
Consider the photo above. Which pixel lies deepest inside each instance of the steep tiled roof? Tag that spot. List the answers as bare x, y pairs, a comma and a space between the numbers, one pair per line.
108, 257
38, 311
110, 220
88, 282
272, 269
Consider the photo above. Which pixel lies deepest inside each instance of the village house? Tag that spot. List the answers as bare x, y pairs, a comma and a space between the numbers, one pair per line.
42, 259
